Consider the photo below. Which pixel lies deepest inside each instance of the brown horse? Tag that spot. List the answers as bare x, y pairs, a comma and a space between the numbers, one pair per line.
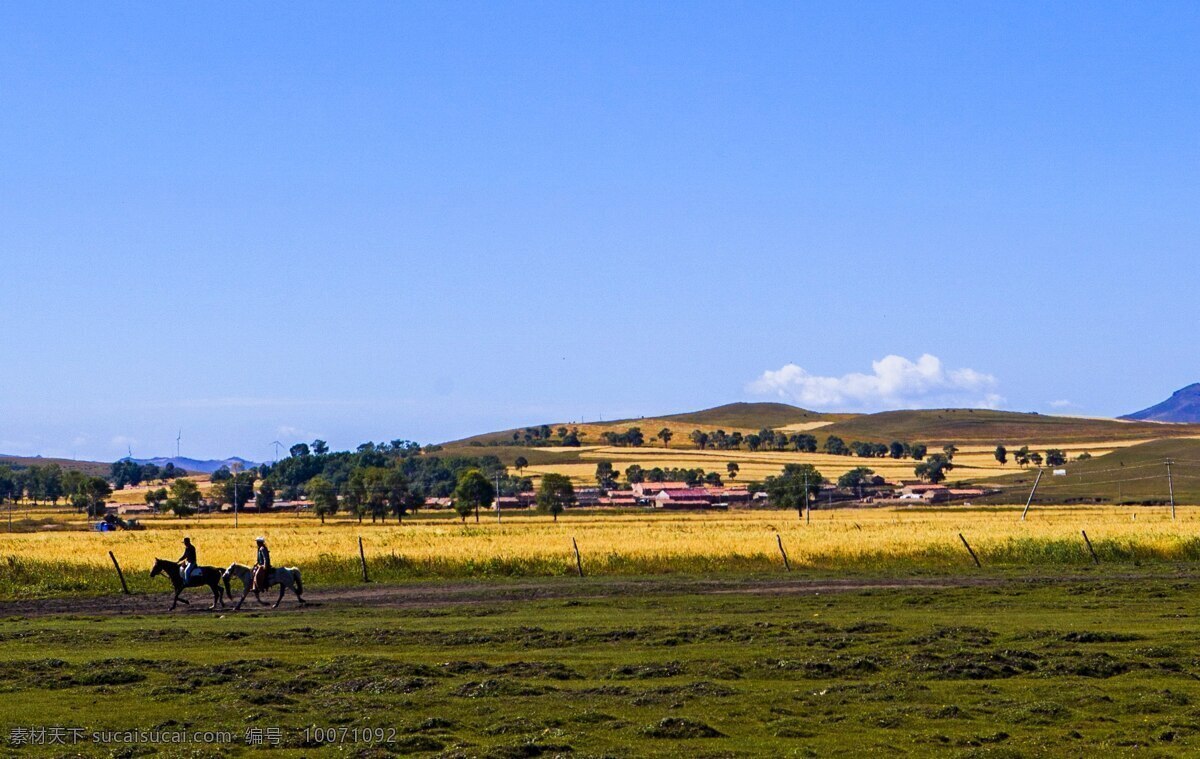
203, 576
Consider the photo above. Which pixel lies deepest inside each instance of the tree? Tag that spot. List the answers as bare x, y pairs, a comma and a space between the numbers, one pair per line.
221, 475
700, 438
934, 469
472, 493
665, 436
1056, 457
299, 450
1035, 459
154, 498
732, 468
835, 446
787, 490
855, 478
1001, 454
320, 447
635, 474
896, 449
949, 450
606, 476
239, 488
520, 464
1022, 456
184, 498
555, 493
323, 495
264, 499
918, 451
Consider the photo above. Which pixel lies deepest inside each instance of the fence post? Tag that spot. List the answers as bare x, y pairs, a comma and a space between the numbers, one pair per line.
1092, 551
362, 557
783, 553
578, 560
120, 574
969, 550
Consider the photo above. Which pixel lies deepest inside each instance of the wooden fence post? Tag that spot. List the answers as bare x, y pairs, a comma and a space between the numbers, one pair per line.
362, 557
969, 550
1092, 551
578, 559
120, 574
783, 553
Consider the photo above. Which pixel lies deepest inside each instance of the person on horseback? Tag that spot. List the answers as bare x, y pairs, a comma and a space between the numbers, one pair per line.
187, 561
262, 565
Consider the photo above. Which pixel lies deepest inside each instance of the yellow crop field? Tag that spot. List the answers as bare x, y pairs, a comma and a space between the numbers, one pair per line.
656, 541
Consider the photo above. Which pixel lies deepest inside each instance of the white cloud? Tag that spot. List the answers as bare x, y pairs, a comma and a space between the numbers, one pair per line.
894, 382
1061, 404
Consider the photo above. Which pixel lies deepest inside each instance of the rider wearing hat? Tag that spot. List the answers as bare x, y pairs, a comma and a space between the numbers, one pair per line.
262, 565
188, 560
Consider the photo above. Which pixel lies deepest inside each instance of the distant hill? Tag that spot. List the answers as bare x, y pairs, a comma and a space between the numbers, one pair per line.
753, 416
1182, 406
987, 426
94, 468
746, 417
198, 466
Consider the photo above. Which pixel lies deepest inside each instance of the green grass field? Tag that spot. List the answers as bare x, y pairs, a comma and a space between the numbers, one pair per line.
1095, 666
1133, 475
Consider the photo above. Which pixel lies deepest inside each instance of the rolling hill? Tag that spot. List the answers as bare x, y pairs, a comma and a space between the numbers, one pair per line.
1182, 407
743, 417
93, 468
753, 416
1133, 475
940, 426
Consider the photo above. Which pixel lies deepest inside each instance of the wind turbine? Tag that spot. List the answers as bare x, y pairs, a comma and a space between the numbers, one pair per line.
177, 439
277, 445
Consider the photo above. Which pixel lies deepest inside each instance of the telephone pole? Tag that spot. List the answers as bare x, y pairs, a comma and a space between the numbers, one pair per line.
1031, 492
1171, 487
807, 508
234, 468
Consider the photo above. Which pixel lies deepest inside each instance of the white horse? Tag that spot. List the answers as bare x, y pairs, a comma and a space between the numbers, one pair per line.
284, 577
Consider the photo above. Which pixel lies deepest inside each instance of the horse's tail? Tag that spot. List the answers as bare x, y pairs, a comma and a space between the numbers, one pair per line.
296, 578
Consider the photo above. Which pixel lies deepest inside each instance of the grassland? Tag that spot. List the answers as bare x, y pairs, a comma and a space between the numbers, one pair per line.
982, 426
1127, 475
1097, 665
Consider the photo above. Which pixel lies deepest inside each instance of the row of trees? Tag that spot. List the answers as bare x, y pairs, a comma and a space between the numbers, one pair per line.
1024, 457
50, 483
129, 472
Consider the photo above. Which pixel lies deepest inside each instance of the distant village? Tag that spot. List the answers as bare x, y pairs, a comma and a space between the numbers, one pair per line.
670, 496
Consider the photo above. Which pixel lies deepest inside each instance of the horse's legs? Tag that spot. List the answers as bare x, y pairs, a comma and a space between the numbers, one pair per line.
258, 598
298, 598
280, 599
242, 600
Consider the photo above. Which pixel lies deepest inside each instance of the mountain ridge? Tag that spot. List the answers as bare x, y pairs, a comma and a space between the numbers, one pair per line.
1183, 407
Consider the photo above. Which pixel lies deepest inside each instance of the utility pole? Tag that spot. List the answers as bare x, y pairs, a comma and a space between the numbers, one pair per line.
1031, 492
807, 508
234, 468
1171, 487
497, 498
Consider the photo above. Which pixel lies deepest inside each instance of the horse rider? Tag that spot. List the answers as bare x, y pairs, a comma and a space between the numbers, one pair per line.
188, 560
262, 565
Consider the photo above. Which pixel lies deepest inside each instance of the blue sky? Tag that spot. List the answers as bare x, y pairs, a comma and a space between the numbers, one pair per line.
369, 221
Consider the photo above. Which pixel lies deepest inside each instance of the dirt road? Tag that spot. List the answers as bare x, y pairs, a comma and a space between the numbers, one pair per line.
439, 594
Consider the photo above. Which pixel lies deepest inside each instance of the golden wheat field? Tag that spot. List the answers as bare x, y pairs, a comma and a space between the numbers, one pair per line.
653, 540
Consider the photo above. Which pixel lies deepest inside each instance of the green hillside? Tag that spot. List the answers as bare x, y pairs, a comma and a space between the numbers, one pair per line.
938, 426
1133, 475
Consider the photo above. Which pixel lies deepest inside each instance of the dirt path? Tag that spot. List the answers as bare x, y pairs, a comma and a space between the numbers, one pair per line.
440, 594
